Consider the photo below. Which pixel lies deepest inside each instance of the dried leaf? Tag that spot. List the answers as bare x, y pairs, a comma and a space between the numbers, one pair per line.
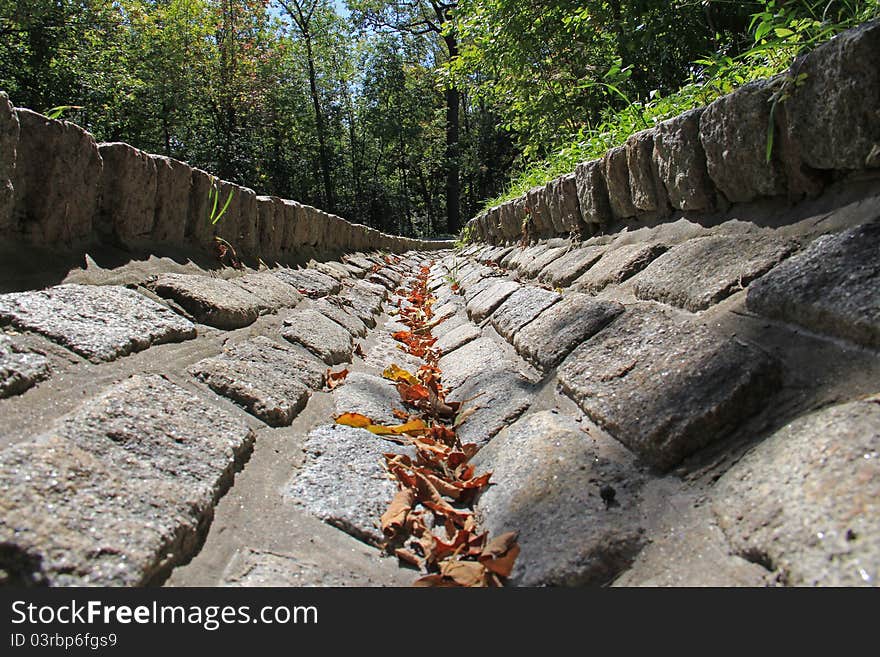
465, 573
335, 378
395, 517
500, 554
434, 581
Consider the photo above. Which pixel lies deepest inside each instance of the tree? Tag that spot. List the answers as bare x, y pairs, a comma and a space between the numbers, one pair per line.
433, 18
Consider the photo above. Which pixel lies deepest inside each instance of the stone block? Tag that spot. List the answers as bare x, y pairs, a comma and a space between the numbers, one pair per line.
98, 322
681, 163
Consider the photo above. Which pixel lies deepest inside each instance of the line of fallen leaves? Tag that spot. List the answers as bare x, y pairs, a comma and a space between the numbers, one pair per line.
430, 523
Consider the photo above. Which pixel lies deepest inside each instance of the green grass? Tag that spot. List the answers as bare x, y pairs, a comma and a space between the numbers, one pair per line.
780, 34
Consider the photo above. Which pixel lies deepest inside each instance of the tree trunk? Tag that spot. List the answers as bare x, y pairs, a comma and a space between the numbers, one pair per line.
329, 201
453, 166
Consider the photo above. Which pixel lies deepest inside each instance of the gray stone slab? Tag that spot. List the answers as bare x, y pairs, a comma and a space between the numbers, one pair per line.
547, 479
368, 395
617, 265
127, 207
520, 308
99, 322
456, 338
564, 270
806, 500
524, 256
705, 270
361, 306
319, 334
479, 286
548, 339
335, 309
343, 481
664, 385
57, 179
497, 396
593, 193
646, 189
120, 491
272, 292
533, 268
681, 162
270, 380
20, 367
617, 182
212, 301
251, 568
448, 325
485, 303
831, 112
473, 358
386, 351
309, 282
831, 288
9, 130
733, 132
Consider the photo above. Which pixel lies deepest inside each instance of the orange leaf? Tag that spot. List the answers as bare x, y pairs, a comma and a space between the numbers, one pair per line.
434, 581
354, 420
335, 378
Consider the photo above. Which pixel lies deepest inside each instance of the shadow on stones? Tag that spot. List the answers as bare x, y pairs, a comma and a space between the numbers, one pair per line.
20, 568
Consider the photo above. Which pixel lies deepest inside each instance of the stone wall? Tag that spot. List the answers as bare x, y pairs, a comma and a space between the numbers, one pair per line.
826, 124
59, 188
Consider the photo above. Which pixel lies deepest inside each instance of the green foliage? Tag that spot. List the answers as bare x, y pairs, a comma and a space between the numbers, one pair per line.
778, 33
213, 199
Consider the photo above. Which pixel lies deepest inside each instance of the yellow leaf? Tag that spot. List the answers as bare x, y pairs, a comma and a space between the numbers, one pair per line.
395, 373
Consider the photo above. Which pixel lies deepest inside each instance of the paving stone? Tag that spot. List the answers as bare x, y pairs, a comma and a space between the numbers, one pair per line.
365, 308
359, 261
547, 340
617, 265
271, 381
379, 278
319, 334
498, 396
447, 310
99, 322
343, 481
547, 476
251, 568
333, 307
272, 292
520, 308
448, 325
564, 270
470, 360
120, 491
806, 500
20, 367
485, 303
332, 269
368, 395
310, 281
533, 268
524, 256
831, 288
456, 338
705, 270
386, 351
479, 286
664, 385
212, 301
